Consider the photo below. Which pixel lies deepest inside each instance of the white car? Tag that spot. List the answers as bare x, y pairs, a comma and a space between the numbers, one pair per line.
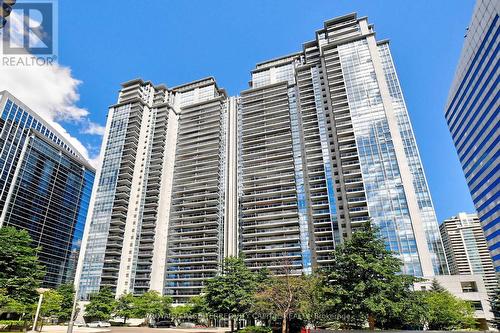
99, 324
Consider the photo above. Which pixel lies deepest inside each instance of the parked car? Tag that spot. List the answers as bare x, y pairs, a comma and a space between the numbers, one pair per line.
163, 323
99, 324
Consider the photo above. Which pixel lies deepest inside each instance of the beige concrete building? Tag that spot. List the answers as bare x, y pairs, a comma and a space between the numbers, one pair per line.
467, 250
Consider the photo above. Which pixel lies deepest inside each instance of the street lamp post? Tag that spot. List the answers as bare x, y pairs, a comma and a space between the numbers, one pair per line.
37, 313
71, 323
40, 299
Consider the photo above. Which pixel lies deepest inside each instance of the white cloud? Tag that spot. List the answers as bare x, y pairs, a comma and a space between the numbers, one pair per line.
52, 92
94, 129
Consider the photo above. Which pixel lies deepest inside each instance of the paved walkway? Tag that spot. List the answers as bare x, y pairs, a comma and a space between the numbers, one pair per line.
76, 329
63, 329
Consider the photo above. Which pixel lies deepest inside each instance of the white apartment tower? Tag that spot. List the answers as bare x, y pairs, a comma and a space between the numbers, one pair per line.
466, 248
326, 145
319, 144
157, 215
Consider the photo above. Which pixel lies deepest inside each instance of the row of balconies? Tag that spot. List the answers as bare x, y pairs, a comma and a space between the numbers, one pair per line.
249, 136
283, 143
275, 214
192, 217
249, 247
265, 178
272, 191
280, 181
279, 166
269, 207
187, 146
261, 114
245, 201
278, 137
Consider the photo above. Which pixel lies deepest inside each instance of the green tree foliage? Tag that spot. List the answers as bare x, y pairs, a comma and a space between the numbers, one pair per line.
67, 291
495, 307
447, 312
199, 305
51, 305
101, 305
231, 291
436, 286
151, 305
282, 296
124, 307
181, 312
20, 271
312, 306
363, 282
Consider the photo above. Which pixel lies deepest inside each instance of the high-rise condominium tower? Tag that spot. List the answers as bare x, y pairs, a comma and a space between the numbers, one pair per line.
320, 144
45, 187
325, 145
466, 248
158, 214
473, 117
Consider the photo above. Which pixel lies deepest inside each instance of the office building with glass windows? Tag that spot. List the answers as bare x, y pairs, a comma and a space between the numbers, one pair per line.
320, 143
472, 113
45, 188
466, 249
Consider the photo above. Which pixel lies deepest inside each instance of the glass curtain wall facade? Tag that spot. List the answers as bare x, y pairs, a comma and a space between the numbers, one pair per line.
45, 188
354, 155
473, 117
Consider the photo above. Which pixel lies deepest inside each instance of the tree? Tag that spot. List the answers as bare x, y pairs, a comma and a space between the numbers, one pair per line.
447, 312
124, 307
283, 296
67, 291
363, 283
151, 305
51, 305
20, 271
230, 292
411, 315
101, 305
199, 308
495, 307
436, 286
199, 305
181, 312
311, 305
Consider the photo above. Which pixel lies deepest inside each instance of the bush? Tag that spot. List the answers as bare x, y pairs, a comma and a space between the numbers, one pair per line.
256, 329
11, 325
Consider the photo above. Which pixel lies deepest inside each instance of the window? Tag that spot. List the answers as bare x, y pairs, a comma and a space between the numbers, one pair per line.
469, 286
476, 305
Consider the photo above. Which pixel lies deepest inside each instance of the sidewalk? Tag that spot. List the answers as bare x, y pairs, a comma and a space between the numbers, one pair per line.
63, 329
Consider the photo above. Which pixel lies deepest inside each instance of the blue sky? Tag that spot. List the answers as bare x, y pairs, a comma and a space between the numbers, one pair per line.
173, 42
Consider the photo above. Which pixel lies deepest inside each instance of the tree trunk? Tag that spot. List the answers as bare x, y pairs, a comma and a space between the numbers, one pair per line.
231, 323
284, 323
371, 322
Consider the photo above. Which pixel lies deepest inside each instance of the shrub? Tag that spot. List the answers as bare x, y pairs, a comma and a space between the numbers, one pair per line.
256, 329
9, 325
